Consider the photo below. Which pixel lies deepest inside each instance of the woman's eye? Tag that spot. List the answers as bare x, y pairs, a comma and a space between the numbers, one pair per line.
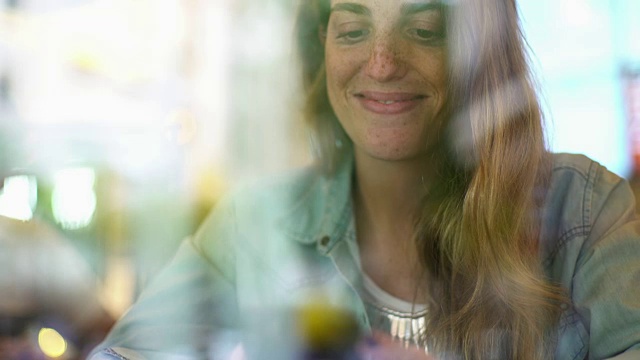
352, 36
425, 35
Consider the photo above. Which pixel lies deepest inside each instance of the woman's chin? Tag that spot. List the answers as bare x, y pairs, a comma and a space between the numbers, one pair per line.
392, 152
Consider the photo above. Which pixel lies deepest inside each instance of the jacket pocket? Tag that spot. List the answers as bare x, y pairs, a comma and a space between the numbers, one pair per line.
573, 337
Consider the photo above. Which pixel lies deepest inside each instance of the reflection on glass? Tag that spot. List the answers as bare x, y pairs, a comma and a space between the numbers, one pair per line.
74, 199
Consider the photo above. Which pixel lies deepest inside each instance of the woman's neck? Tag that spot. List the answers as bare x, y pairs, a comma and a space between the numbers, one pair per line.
387, 194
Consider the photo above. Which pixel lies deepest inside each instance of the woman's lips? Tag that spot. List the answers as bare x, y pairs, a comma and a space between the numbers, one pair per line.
389, 103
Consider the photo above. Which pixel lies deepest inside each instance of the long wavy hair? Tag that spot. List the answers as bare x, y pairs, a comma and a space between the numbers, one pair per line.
477, 234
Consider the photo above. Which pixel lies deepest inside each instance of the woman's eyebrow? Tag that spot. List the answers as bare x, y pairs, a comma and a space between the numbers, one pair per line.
413, 8
352, 8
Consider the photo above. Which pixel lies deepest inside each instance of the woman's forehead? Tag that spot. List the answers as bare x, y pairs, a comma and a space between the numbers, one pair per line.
368, 7
398, 3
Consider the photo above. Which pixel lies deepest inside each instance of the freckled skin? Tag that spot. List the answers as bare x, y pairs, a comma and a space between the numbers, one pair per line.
386, 60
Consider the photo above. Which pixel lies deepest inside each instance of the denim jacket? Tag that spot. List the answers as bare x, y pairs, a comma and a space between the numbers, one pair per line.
269, 249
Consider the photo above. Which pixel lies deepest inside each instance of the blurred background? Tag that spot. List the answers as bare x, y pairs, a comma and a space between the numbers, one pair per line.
122, 122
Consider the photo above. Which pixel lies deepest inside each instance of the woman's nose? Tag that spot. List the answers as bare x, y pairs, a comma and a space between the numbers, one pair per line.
385, 62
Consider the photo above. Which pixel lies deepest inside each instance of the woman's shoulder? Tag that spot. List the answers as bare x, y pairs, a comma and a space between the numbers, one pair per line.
582, 187
590, 242
575, 174
291, 204
299, 200
584, 202
274, 194
580, 193
575, 163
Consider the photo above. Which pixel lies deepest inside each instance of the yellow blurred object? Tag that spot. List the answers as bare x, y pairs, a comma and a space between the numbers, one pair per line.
86, 61
51, 343
209, 186
326, 327
118, 289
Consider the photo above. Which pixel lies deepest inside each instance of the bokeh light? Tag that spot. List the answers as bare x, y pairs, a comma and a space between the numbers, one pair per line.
74, 199
18, 197
51, 343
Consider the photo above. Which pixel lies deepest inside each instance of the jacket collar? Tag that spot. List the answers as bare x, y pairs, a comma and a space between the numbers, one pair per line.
322, 209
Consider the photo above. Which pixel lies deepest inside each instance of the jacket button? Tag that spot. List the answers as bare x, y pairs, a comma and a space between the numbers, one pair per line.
324, 241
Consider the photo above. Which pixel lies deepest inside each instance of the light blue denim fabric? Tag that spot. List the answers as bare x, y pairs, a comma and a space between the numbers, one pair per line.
270, 248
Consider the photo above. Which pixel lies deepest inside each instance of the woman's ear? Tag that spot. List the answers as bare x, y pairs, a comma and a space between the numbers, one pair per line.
322, 34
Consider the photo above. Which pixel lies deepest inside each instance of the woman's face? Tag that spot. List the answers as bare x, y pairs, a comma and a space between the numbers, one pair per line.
386, 74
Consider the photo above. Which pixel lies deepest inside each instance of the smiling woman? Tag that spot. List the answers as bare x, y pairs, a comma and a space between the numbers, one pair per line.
436, 224
386, 76
403, 80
